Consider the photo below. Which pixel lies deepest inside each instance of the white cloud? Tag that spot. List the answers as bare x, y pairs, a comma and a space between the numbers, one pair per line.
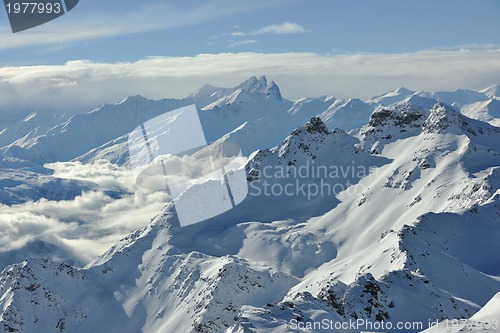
88, 25
242, 42
238, 34
285, 28
88, 225
274, 29
22, 227
88, 84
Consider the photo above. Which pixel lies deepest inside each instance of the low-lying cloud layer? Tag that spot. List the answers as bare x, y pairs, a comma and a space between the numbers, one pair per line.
88, 84
88, 225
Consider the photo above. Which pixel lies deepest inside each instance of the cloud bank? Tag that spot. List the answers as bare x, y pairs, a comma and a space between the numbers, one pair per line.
86, 226
88, 84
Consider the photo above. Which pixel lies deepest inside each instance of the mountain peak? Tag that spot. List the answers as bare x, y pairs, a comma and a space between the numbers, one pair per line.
492, 91
403, 90
254, 85
260, 85
402, 115
316, 125
442, 119
133, 99
205, 91
273, 90
392, 97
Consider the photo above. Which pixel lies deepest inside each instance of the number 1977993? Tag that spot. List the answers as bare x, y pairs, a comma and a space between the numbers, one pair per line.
470, 324
34, 8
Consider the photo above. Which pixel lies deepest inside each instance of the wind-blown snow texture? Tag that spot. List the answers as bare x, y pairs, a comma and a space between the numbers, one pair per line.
379, 211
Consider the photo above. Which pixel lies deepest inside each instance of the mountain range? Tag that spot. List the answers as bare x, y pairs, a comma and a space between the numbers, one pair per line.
395, 221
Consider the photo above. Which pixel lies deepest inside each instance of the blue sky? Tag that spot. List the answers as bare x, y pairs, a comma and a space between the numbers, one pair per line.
123, 30
103, 51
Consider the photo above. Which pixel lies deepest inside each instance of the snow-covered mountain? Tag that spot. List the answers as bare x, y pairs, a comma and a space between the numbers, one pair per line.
18, 121
251, 109
405, 270
487, 319
395, 219
493, 91
392, 97
482, 105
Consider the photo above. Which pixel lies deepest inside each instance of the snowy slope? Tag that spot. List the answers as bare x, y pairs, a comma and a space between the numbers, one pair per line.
493, 91
251, 108
417, 268
485, 320
26, 125
460, 97
348, 114
102, 128
396, 221
208, 94
488, 111
482, 105
248, 110
43, 295
143, 284
396, 241
392, 97
87, 131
